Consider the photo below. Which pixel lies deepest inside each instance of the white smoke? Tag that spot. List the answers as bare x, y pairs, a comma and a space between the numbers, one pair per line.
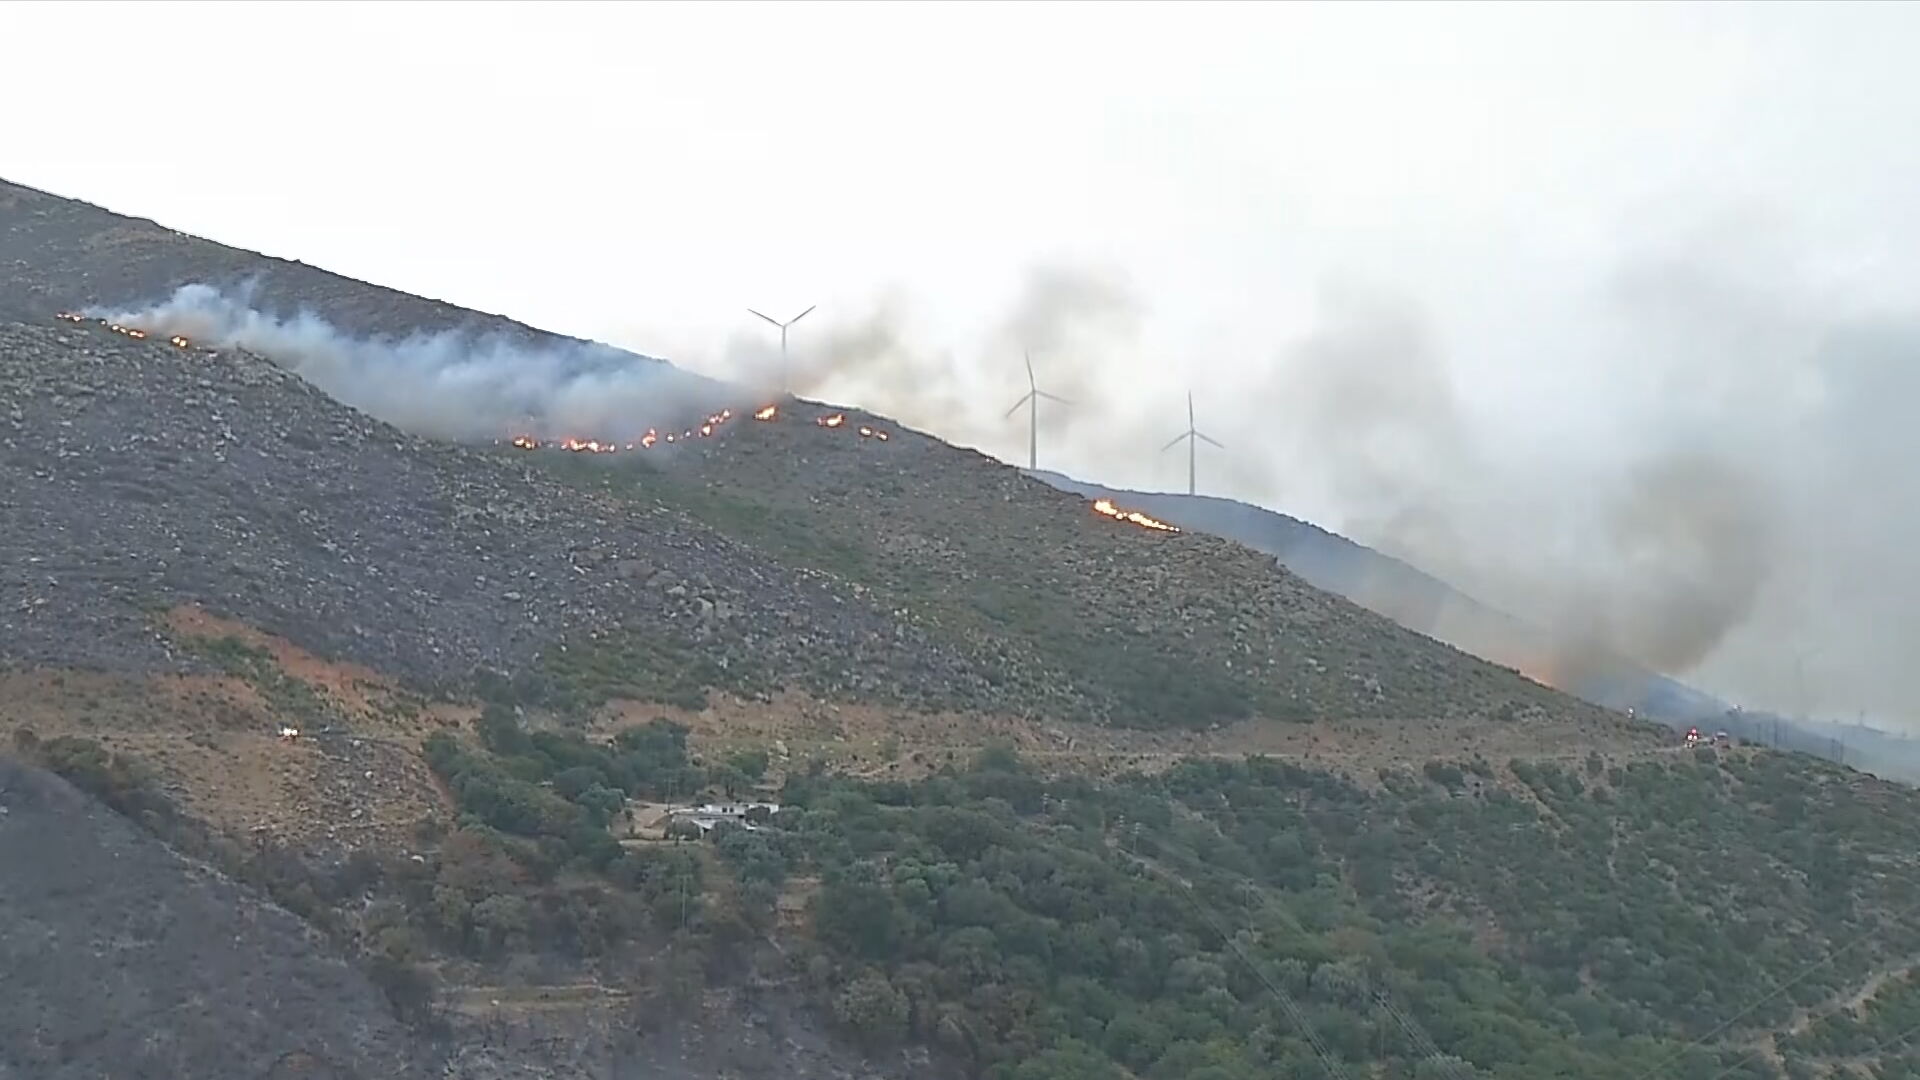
450, 384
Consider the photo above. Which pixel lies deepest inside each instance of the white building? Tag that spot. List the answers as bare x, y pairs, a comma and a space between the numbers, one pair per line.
707, 815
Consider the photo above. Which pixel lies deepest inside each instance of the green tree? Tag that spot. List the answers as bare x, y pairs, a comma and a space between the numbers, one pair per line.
873, 1008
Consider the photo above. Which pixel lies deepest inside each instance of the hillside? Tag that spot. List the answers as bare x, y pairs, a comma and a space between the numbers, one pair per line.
1419, 601
126, 960
1208, 632
1062, 794
1406, 594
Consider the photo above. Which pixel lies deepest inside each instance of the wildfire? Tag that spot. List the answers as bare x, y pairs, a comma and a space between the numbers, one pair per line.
832, 421
767, 413
177, 341
1106, 508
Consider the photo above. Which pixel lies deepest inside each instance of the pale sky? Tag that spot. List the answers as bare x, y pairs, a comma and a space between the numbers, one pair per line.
641, 174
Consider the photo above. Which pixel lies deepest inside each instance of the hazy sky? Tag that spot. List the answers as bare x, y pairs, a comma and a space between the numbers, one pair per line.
1581, 235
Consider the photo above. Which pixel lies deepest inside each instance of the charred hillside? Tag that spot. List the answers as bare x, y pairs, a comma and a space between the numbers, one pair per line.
1079, 613
1525, 886
140, 475
1409, 596
776, 554
125, 960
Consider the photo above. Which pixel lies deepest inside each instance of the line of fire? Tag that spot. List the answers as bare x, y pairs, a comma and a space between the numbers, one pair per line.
706, 429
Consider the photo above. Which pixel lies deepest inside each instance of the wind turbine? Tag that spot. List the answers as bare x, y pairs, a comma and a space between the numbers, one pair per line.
783, 340
1194, 439
1031, 399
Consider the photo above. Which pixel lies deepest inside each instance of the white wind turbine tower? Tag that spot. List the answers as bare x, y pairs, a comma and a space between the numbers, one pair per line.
1031, 399
1194, 439
783, 339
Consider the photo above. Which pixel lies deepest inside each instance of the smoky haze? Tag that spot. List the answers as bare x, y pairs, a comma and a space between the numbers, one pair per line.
450, 384
1648, 552
1073, 320
1735, 511
1735, 514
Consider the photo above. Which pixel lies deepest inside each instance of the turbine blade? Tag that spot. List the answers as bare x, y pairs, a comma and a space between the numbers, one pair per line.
1207, 439
800, 316
1016, 405
1052, 397
774, 321
1175, 441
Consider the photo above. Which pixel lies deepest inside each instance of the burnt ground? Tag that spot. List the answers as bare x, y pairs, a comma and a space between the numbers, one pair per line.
907, 571
136, 477
141, 475
123, 959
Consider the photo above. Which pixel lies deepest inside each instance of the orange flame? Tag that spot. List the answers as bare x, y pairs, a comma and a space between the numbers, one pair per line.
705, 430
1106, 507
134, 332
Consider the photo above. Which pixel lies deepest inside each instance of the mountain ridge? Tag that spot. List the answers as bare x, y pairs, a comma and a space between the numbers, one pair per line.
1059, 797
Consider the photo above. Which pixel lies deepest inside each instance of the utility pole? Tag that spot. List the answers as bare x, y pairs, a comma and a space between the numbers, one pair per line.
1193, 437
783, 339
1031, 399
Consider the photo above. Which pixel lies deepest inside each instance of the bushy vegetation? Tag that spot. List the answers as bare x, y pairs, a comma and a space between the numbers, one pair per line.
288, 696
1223, 919
639, 666
1590, 923
532, 867
1063, 928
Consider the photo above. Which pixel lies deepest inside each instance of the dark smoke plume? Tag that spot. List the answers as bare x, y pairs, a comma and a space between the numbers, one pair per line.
1653, 558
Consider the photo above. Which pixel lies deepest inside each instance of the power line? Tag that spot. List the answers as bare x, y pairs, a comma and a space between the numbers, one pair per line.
1743, 1013
1879, 1047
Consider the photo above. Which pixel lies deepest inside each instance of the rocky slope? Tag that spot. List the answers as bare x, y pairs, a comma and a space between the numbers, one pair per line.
1406, 594
921, 575
1081, 613
140, 474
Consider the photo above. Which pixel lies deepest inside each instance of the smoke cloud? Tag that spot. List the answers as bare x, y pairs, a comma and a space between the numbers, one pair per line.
451, 384
1655, 561
1734, 509
1073, 320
